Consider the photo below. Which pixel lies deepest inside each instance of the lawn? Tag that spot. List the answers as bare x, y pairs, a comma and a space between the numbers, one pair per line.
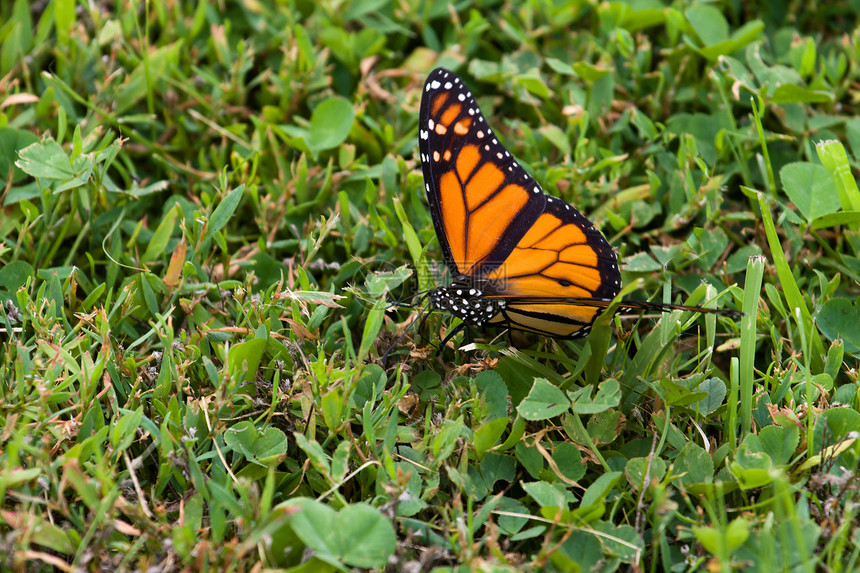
214, 240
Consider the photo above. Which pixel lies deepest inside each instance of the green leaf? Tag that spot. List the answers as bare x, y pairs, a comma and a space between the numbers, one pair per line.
723, 542
377, 284
331, 404
413, 243
839, 319
45, 160
13, 276
709, 537
357, 535
743, 36
487, 435
588, 72
716, 394
835, 159
445, 440
497, 467
790, 93
581, 552
811, 188
146, 74
621, 541
641, 472
709, 23
530, 458
752, 466
641, 263
270, 447
19, 38
789, 285
124, 432
372, 381
709, 245
560, 67
42, 532
494, 393
605, 426
373, 323
546, 494
158, 243
532, 82
11, 142
367, 538
16, 477
850, 219
600, 488
314, 452
608, 396
263, 448
569, 461
331, 122
737, 533
513, 515
779, 443
703, 127
693, 465
64, 16
835, 425
245, 359
544, 401
242, 438
225, 210
557, 137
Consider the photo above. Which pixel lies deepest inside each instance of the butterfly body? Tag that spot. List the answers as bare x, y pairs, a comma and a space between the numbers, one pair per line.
519, 258
467, 303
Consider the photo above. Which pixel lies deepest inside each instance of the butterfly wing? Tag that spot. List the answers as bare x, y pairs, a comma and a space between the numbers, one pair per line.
497, 228
559, 277
481, 201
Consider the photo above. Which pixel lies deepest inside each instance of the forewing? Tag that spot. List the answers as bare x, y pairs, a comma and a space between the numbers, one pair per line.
482, 201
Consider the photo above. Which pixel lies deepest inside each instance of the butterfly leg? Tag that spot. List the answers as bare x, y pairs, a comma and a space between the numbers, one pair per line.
453, 333
423, 314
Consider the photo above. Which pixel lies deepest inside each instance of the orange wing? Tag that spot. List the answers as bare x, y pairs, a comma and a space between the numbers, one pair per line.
501, 236
481, 200
559, 277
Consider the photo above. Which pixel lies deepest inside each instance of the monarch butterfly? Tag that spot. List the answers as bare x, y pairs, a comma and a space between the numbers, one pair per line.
519, 258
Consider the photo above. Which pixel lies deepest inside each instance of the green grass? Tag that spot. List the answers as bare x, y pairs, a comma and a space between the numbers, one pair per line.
206, 212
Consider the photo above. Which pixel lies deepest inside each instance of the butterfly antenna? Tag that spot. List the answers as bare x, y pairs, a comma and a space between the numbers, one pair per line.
422, 295
634, 306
